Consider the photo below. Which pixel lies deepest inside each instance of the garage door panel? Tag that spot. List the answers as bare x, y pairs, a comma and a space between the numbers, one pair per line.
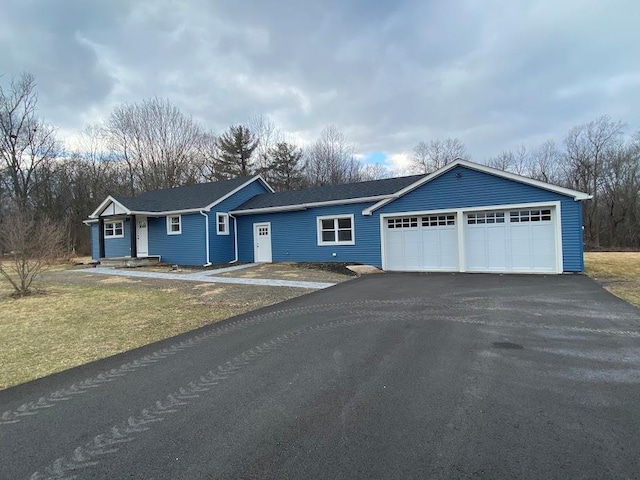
421, 243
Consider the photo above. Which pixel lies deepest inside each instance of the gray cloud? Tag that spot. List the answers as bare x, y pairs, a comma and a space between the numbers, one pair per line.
495, 74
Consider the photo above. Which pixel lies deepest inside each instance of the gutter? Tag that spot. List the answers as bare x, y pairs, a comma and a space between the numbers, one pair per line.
235, 238
206, 234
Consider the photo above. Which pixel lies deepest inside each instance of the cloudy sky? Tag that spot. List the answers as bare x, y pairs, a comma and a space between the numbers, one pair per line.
388, 73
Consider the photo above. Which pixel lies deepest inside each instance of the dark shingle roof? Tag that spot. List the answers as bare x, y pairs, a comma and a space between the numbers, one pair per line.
181, 198
328, 193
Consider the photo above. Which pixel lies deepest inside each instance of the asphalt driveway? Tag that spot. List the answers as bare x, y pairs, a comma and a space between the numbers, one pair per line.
387, 376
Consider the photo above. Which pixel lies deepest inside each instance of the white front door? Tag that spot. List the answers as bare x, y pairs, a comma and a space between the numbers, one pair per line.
262, 242
142, 236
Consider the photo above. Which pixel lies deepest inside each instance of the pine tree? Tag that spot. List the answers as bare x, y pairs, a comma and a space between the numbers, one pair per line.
285, 169
235, 150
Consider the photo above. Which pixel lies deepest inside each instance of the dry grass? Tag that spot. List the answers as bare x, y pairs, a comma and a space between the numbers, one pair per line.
74, 324
618, 271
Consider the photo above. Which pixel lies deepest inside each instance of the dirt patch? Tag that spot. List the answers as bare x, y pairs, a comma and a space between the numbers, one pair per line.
117, 280
308, 272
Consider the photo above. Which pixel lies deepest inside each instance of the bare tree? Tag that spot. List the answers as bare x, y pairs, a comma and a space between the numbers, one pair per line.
331, 160
544, 163
375, 171
430, 156
30, 247
159, 144
587, 147
268, 137
515, 161
27, 144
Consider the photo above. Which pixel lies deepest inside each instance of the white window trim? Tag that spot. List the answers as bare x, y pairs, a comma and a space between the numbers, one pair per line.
113, 222
335, 217
224, 216
169, 217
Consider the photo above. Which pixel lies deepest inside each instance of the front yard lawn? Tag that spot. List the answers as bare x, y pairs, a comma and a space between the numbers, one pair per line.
619, 272
71, 325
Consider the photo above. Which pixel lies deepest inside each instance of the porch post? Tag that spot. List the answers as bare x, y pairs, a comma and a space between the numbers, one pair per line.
101, 253
134, 244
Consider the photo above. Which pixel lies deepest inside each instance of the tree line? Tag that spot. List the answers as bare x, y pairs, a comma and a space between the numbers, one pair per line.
599, 157
151, 145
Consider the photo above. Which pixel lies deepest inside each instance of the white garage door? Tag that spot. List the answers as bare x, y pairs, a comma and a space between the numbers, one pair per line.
521, 240
421, 243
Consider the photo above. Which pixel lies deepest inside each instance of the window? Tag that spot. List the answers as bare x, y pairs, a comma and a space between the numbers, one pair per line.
174, 225
522, 216
222, 222
404, 222
336, 230
438, 220
114, 229
485, 217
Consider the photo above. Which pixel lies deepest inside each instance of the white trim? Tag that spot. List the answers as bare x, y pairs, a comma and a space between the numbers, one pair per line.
557, 211
236, 190
112, 222
481, 168
225, 216
462, 258
206, 235
555, 206
169, 231
96, 213
90, 221
235, 238
304, 206
321, 243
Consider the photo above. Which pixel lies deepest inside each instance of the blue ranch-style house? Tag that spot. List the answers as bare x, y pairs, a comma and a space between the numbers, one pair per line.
464, 217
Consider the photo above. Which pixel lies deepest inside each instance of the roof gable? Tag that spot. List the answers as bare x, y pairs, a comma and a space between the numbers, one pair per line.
201, 196
576, 195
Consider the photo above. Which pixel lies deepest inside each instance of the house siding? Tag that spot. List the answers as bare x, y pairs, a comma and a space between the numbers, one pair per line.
118, 247
187, 248
294, 233
222, 247
463, 187
294, 236
95, 246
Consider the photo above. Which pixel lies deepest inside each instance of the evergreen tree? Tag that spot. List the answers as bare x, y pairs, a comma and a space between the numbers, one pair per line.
235, 150
285, 168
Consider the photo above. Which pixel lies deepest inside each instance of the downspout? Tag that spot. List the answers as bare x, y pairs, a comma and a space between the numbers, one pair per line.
206, 235
235, 238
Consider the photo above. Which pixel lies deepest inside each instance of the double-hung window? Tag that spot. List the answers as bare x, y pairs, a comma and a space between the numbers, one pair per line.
174, 224
336, 230
114, 229
222, 222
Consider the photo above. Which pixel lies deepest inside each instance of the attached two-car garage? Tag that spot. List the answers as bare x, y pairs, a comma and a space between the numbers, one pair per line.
517, 239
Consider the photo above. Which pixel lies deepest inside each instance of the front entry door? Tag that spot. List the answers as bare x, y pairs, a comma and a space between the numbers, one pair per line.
142, 236
262, 242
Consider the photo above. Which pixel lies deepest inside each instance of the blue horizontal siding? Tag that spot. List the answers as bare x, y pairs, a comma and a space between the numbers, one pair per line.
119, 247
95, 246
294, 234
188, 248
222, 247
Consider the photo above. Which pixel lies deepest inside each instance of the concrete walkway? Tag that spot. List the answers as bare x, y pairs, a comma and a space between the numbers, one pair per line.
208, 276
